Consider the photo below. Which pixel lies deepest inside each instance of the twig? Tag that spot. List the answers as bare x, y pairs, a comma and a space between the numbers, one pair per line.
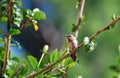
79, 46
79, 17
52, 69
24, 24
8, 37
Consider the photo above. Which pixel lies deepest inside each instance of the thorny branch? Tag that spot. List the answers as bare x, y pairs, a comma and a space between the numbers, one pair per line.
79, 46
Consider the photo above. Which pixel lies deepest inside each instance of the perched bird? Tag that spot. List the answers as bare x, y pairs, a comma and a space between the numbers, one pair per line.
72, 45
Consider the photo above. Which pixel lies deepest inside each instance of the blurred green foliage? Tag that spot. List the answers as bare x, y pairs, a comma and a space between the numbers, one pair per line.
98, 13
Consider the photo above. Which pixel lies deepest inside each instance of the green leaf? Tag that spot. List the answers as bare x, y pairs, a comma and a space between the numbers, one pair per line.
24, 71
29, 13
3, 2
115, 68
1, 40
69, 62
84, 19
87, 47
10, 72
19, 2
27, 67
112, 26
14, 31
41, 76
113, 18
45, 61
4, 19
54, 56
18, 16
17, 23
73, 27
90, 46
38, 14
2, 52
33, 61
15, 59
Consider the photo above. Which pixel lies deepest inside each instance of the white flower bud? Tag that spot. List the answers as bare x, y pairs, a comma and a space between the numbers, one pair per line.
45, 48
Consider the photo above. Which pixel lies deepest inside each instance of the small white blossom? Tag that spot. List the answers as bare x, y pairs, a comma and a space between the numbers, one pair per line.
36, 10
86, 40
92, 46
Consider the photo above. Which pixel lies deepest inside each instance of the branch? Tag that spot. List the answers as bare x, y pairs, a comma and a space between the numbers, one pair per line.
24, 24
8, 37
100, 31
6, 56
79, 46
105, 28
49, 66
78, 22
54, 69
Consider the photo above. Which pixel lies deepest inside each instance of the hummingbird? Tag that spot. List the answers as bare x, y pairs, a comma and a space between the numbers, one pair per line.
72, 45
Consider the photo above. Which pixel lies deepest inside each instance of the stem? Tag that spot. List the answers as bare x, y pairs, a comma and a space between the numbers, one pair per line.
79, 46
6, 56
8, 37
54, 69
79, 18
41, 59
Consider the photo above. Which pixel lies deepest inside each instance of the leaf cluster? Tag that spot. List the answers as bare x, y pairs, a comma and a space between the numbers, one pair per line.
18, 67
20, 16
